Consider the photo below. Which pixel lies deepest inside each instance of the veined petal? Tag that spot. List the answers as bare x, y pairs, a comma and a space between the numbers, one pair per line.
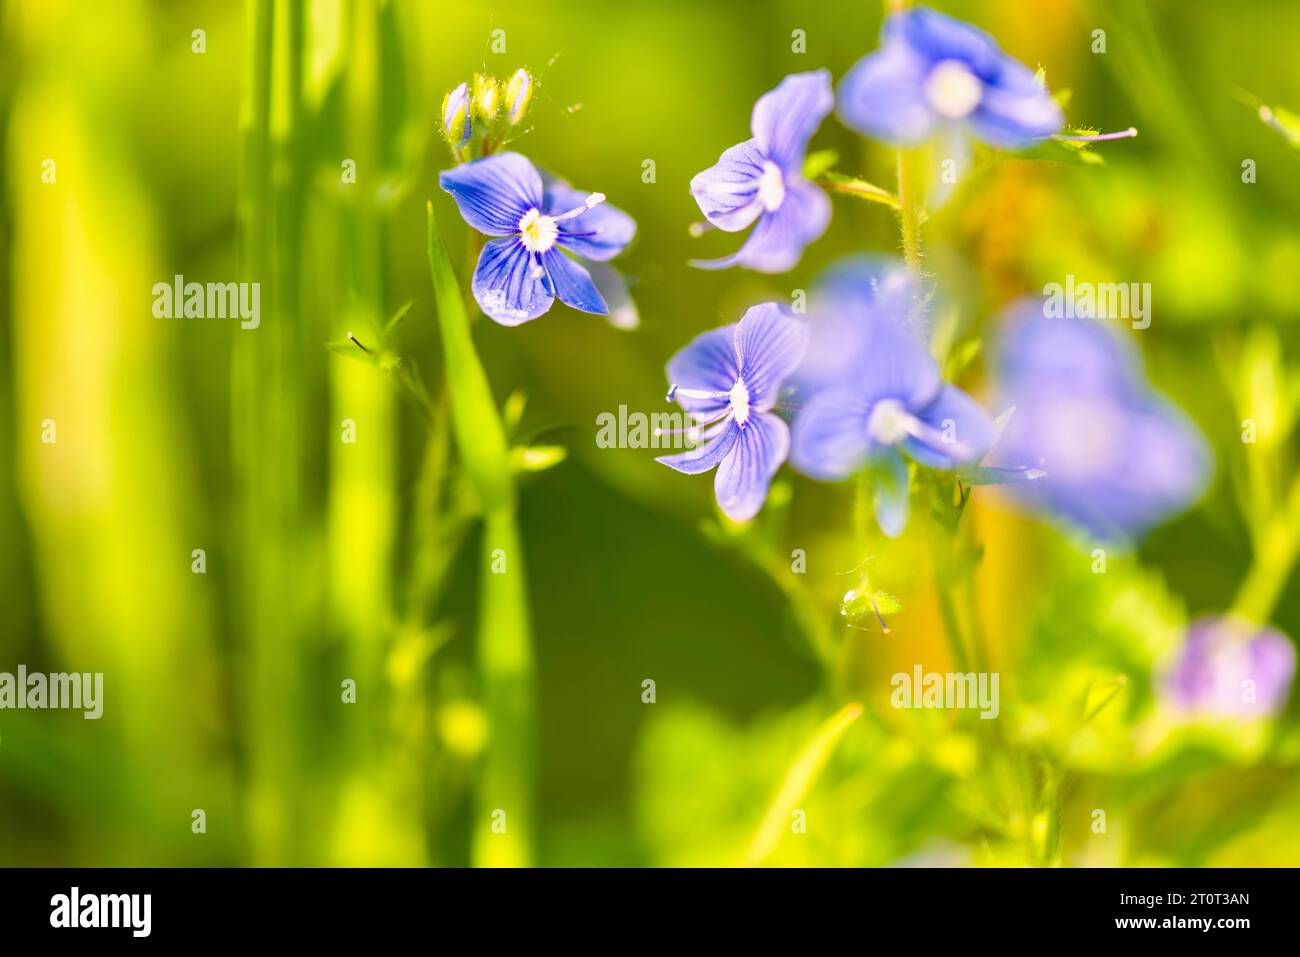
703, 457
779, 239
495, 192
830, 438
889, 483
883, 95
745, 474
572, 283
958, 431
769, 346
598, 234
509, 284
706, 364
727, 192
785, 119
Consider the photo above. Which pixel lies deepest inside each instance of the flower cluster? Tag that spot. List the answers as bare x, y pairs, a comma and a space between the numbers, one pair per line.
1088, 443
870, 395
477, 117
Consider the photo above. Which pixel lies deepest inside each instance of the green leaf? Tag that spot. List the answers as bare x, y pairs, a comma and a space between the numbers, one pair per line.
859, 188
822, 161
505, 652
479, 432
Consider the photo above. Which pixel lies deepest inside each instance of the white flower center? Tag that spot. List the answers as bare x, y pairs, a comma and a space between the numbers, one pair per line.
888, 422
952, 90
771, 187
739, 398
538, 232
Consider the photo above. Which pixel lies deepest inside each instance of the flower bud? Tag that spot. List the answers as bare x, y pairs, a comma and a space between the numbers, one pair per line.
519, 91
487, 97
455, 116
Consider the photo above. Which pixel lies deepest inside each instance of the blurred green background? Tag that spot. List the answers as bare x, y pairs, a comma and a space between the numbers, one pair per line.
222, 690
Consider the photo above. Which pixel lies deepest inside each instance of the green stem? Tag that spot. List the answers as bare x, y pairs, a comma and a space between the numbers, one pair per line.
1276, 548
503, 823
909, 208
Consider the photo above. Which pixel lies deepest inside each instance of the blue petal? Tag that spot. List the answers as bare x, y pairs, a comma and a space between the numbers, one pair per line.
779, 239
785, 119
599, 234
613, 289
883, 96
830, 439
958, 431
727, 192
707, 363
744, 475
509, 284
769, 345
1015, 110
889, 482
1079, 354
842, 304
894, 364
572, 283
704, 457
495, 192
937, 37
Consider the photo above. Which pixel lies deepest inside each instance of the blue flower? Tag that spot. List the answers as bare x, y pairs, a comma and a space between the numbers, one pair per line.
761, 180
877, 395
728, 379
1220, 655
1118, 457
522, 271
933, 72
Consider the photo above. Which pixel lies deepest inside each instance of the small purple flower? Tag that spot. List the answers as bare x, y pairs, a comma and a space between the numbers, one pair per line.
1118, 457
728, 380
520, 274
933, 73
878, 394
762, 180
1229, 668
